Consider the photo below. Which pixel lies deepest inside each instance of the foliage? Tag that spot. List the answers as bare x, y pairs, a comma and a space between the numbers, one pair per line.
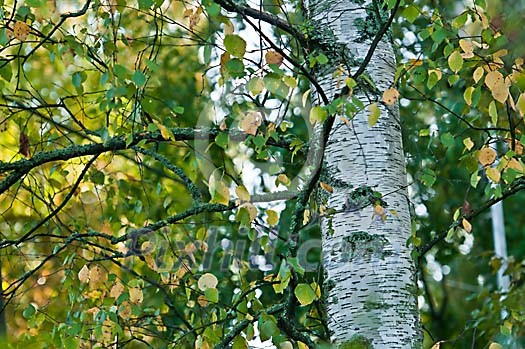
159, 181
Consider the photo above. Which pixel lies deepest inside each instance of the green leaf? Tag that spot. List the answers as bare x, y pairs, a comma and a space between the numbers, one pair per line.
212, 294
139, 78
145, 4
305, 294
411, 13
235, 68
29, 311
5, 70
455, 61
374, 114
428, 177
222, 140
34, 3
318, 114
235, 45
294, 262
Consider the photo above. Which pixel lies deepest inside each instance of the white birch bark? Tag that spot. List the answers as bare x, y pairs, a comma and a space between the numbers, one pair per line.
370, 278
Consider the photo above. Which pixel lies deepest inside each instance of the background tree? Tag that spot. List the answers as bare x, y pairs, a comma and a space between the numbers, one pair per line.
161, 181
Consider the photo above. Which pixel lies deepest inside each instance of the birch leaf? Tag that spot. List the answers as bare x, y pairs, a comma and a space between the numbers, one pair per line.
455, 61
467, 95
486, 156
468, 143
206, 281
21, 30
242, 193
256, 86
478, 74
273, 57
521, 104
493, 174
83, 274
466, 225
273, 217
250, 123
305, 294
326, 187
493, 78
318, 114
235, 45
374, 114
493, 112
495, 345
390, 96
135, 295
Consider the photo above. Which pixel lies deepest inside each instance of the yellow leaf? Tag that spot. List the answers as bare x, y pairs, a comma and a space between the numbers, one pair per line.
346, 121
326, 187
206, 281
516, 165
273, 57
437, 345
493, 112
135, 295
228, 27
487, 156
301, 345
478, 74
250, 123
21, 30
273, 217
467, 48
466, 225
495, 345
242, 193
282, 179
374, 114
493, 79
83, 274
500, 92
468, 143
493, 174
390, 96
116, 290
95, 274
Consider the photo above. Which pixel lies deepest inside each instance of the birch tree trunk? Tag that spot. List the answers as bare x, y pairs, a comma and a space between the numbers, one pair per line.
370, 279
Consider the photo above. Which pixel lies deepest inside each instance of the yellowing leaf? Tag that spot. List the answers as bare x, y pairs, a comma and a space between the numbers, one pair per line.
467, 95
235, 45
282, 179
206, 281
495, 345
390, 96
326, 187
305, 294
219, 191
516, 165
493, 112
96, 274
242, 193
83, 274
273, 217
135, 295
256, 86
493, 174
301, 345
466, 225
521, 104
318, 114
286, 345
21, 30
273, 57
487, 156
252, 210
478, 74
468, 143
250, 123
455, 61
374, 114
